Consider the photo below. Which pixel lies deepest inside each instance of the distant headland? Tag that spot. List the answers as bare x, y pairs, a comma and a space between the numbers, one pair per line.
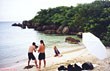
92, 17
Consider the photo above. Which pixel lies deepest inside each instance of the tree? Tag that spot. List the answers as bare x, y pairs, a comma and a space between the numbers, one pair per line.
106, 39
92, 17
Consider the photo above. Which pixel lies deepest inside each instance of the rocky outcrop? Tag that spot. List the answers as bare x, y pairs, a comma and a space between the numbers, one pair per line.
19, 25
15, 24
47, 29
50, 31
55, 29
72, 40
59, 30
29, 24
65, 30
79, 34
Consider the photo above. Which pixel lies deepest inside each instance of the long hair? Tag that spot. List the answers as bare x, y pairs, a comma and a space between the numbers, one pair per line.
42, 42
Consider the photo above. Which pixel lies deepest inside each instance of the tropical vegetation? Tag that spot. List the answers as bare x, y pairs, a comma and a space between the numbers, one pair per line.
91, 17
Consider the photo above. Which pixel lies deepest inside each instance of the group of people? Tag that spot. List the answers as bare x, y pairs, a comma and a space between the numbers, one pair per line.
41, 51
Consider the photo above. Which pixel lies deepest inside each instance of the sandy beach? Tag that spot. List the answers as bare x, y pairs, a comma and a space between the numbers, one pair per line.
78, 55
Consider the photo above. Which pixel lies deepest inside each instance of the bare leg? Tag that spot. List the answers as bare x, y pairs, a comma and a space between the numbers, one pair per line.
44, 63
36, 63
39, 63
28, 62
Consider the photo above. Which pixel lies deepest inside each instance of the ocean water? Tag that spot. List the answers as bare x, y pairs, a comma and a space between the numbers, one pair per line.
14, 43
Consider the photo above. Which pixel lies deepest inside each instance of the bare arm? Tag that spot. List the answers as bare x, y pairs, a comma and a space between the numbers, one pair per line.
34, 49
39, 49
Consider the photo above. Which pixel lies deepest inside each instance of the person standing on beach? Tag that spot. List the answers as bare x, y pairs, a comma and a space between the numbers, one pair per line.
41, 51
32, 49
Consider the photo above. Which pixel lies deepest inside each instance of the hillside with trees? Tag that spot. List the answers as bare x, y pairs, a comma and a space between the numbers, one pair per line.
92, 17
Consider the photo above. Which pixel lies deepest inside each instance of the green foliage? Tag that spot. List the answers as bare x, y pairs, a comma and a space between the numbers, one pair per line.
93, 17
106, 39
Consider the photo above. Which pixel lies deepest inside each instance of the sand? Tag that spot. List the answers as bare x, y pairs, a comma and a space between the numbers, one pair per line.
78, 55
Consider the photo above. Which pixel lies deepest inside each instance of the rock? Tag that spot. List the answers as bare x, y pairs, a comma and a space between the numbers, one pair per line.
71, 40
49, 31
24, 23
59, 30
19, 25
65, 30
39, 28
79, 34
15, 24
44, 27
53, 27
29, 24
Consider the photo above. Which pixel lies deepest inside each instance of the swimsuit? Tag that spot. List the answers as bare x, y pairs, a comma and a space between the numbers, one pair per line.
41, 56
31, 56
57, 52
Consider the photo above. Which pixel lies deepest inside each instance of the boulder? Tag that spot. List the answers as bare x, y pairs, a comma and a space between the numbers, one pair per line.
15, 24
39, 28
49, 31
79, 34
48, 27
65, 30
59, 30
53, 27
71, 40
24, 23
44, 27
19, 25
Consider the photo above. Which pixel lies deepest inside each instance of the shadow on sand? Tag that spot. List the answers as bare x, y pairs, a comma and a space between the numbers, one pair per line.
28, 67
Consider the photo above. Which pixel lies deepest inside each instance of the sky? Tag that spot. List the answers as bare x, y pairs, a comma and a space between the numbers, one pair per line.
19, 10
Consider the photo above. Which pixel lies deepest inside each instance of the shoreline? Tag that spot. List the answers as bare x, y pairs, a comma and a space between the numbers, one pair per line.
20, 65
77, 55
